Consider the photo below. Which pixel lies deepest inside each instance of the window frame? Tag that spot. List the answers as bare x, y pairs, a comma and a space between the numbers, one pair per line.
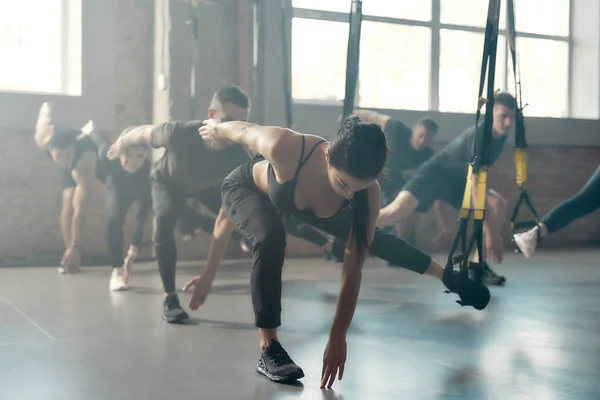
436, 26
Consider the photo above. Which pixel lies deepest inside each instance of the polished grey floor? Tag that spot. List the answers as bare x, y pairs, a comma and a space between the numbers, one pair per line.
68, 337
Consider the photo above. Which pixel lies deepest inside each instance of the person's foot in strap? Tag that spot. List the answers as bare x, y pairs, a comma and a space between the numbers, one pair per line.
172, 311
471, 293
527, 241
275, 363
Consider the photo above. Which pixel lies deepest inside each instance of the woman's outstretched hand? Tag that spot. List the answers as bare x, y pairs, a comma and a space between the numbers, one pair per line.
334, 360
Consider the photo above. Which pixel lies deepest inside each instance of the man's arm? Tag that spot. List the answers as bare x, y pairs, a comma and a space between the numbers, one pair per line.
218, 246
202, 283
84, 175
373, 117
66, 216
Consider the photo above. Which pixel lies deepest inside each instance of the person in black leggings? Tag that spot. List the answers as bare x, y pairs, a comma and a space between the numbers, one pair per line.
127, 181
188, 169
331, 186
583, 203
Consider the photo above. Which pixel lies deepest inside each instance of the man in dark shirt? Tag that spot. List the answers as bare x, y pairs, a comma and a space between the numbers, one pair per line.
188, 169
410, 147
443, 177
127, 181
77, 162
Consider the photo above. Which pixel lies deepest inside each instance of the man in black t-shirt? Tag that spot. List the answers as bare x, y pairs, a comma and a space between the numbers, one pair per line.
443, 177
77, 162
410, 147
189, 168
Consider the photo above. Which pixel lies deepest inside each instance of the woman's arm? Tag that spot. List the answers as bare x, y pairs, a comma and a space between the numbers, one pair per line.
335, 353
352, 268
276, 144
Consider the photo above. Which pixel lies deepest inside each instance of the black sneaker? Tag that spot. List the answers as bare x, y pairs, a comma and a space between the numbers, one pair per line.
172, 311
471, 293
490, 277
276, 364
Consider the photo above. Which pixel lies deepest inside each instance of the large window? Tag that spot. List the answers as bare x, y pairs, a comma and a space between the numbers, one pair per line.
40, 46
394, 76
318, 71
469, 13
418, 57
544, 86
460, 69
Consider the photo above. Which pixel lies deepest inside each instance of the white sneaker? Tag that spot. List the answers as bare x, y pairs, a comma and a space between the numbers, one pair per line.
70, 270
116, 281
527, 241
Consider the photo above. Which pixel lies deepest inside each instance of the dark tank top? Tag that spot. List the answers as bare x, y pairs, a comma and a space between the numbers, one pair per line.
282, 194
80, 146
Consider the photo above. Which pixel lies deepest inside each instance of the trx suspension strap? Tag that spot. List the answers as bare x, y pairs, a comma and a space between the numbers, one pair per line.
352, 57
478, 164
520, 141
285, 50
192, 22
258, 61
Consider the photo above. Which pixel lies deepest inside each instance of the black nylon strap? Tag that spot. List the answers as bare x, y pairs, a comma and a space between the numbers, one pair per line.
285, 50
481, 150
353, 56
520, 141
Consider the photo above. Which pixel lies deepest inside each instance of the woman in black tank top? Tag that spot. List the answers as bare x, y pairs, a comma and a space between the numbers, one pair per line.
332, 186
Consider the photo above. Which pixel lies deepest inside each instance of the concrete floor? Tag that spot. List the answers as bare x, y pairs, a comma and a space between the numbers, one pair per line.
68, 337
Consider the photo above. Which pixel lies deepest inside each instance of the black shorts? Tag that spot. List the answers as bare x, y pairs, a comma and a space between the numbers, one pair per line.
431, 183
66, 179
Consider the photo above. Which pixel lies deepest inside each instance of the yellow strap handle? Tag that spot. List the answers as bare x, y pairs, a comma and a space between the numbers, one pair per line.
465, 210
521, 167
481, 192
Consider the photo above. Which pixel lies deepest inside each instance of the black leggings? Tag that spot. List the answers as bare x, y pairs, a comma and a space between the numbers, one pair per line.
168, 201
255, 215
190, 220
580, 205
116, 211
